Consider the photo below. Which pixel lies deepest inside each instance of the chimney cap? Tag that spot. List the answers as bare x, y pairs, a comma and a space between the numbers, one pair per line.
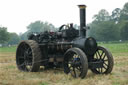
82, 6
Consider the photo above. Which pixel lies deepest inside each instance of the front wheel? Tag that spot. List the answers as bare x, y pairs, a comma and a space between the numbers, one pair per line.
75, 62
104, 56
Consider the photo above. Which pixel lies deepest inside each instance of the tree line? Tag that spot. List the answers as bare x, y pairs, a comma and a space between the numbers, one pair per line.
106, 27
7, 38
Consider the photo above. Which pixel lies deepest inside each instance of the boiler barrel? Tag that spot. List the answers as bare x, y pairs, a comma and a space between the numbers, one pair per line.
88, 45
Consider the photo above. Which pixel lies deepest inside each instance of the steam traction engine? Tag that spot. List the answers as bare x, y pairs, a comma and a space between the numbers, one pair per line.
68, 48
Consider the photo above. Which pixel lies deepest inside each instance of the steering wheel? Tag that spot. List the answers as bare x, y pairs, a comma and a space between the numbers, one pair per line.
60, 29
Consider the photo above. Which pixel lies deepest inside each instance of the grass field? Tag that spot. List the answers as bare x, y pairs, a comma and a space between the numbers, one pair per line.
10, 75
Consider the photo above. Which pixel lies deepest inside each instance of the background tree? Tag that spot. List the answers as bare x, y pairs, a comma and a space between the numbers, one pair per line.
14, 39
23, 36
4, 35
116, 15
104, 31
124, 12
104, 28
124, 30
39, 26
103, 15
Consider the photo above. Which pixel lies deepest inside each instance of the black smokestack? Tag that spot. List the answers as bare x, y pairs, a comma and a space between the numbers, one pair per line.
82, 20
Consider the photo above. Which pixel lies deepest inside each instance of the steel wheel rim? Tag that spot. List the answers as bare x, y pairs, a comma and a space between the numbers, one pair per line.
24, 57
74, 64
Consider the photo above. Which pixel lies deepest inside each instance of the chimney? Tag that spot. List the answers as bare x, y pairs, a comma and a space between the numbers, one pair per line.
82, 20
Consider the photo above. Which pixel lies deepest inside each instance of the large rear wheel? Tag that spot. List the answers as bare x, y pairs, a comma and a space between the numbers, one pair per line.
28, 56
75, 62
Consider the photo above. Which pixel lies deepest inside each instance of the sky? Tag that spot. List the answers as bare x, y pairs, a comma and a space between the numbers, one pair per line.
16, 15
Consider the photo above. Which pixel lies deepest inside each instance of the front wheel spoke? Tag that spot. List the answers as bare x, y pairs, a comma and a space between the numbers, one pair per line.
69, 63
29, 64
78, 68
104, 56
106, 60
96, 55
106, 64
98, 69
101, 70
74, 71
101, 55
70, 66
104, 67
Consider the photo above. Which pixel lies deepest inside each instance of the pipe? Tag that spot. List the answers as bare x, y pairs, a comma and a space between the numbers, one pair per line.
82, 20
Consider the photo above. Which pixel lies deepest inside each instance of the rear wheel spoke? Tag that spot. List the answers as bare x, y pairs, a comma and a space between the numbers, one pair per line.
23, 64
21, 57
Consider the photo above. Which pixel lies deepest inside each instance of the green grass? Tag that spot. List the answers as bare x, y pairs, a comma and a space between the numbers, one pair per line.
114, 48
10, 75
117, 48
8, 49
44, 83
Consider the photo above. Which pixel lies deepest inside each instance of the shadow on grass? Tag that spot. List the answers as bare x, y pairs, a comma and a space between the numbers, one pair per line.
61, 71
